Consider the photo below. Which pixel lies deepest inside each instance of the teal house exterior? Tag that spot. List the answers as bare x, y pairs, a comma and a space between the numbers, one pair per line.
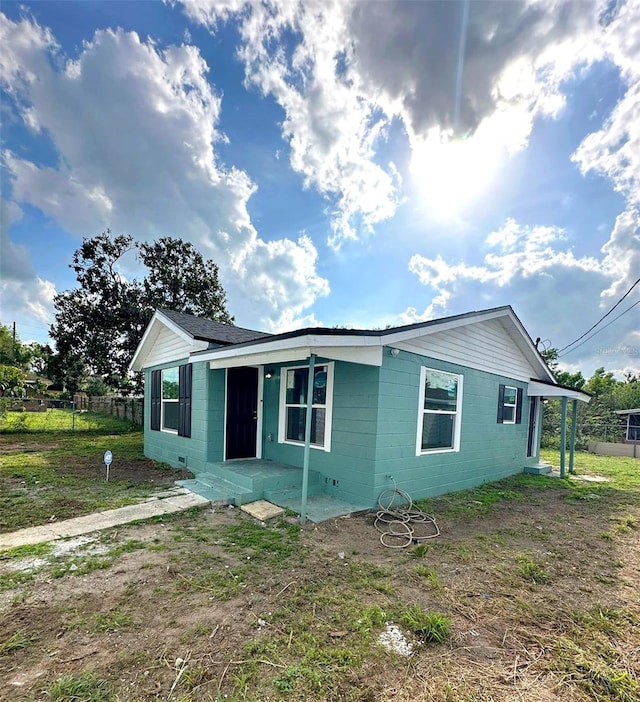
323, 420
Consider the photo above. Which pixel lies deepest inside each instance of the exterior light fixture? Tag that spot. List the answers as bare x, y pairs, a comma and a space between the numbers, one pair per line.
395, 352
269, 373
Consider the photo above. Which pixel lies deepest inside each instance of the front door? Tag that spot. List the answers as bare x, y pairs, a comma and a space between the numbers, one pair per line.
242, 412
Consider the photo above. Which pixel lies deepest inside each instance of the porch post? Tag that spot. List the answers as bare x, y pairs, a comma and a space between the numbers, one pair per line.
572, 440
563, 436
307, 440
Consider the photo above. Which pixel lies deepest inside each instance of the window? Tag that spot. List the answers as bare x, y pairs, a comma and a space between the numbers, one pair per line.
171, 400
169, 420
293, 405
509, 405
439, 411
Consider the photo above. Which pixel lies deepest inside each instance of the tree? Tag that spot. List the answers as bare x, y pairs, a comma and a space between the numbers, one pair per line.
627, 395
13, 352
600, 383
99, 324
11, 380
570, 380
41, 359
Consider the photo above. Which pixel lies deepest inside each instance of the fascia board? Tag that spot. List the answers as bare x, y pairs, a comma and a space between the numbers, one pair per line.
543, 390
258, 359
148, 338
394, 338
308, 341
369, 356
151, 334
528, 348
170, 324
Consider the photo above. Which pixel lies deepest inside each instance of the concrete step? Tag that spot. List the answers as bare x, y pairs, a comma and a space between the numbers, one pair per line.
538, 469
292, 494
219, 491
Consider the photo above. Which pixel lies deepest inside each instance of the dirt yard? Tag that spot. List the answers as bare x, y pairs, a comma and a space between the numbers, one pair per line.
539, 585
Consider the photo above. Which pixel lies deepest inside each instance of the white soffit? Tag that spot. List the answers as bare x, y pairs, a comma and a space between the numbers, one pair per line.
536, 389
366, 355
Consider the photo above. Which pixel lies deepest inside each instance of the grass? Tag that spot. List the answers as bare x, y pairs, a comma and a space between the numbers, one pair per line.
61, 420
531, 570
16, 642
64, 476
473, 502
80, 687
26, 551
257, 612
83, 564
429, 627
113, 621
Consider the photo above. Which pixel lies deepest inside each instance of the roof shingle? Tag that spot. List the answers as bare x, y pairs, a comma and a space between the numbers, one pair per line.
208, 330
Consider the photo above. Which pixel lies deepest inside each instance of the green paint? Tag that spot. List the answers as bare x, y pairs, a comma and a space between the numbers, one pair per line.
307, 439
572, 440
563, 436
373, 432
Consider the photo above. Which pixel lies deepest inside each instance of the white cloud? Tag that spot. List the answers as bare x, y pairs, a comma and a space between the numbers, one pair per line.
344, 71
557, 293
614, 150
331, 130
135, 130
23, 294
516, 251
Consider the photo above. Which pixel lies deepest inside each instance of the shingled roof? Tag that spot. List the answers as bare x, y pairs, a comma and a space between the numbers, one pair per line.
215, 332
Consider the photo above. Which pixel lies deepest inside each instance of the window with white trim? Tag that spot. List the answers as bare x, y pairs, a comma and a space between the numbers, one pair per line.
509, 402
170, 400
293, 405
439, 411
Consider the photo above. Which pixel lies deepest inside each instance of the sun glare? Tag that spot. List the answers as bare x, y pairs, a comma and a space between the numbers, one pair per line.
451, 174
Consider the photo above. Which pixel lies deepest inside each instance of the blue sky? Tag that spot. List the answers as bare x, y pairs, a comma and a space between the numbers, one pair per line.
363, 164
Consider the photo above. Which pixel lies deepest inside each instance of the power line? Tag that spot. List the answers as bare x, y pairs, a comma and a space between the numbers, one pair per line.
604, 316
602, 329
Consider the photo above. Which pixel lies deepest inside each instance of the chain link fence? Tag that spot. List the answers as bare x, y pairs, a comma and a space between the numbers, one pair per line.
51, 415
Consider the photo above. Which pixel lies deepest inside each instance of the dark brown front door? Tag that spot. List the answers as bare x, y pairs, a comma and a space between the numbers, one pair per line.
242, 412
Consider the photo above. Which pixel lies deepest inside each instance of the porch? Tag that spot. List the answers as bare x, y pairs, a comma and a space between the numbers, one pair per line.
241, 481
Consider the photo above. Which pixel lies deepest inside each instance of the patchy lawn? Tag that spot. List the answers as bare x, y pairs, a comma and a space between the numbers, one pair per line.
530, 593
58, 475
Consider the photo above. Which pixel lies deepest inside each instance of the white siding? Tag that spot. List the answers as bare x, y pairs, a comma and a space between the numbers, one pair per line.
170, 347
485, 346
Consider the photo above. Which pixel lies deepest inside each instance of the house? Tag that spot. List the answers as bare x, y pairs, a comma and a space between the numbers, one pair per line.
632, 434
323, 420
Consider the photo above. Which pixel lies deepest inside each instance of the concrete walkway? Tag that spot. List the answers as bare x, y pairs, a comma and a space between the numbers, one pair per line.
169, 502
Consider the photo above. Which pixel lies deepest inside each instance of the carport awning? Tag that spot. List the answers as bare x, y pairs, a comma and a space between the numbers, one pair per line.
538, 388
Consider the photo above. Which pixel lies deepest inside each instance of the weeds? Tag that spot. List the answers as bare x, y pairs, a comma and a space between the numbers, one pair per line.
26, 551
531, 570
431, 627
109, 622
429, 575
16, 642
83, 687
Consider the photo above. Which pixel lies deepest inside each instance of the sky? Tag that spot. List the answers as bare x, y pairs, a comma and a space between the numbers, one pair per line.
359, 164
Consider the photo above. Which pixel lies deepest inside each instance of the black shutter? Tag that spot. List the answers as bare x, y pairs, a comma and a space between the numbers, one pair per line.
185, 374
156, 399
501, 404
519, 407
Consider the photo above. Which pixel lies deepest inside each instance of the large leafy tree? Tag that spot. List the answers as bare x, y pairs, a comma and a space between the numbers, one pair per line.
99, 324
12, 351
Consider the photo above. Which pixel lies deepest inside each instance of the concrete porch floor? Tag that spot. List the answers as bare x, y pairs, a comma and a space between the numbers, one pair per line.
247, 480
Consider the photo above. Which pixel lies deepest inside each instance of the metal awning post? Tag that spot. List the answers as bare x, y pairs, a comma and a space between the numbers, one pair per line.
307, 440
563, 436
572, 439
